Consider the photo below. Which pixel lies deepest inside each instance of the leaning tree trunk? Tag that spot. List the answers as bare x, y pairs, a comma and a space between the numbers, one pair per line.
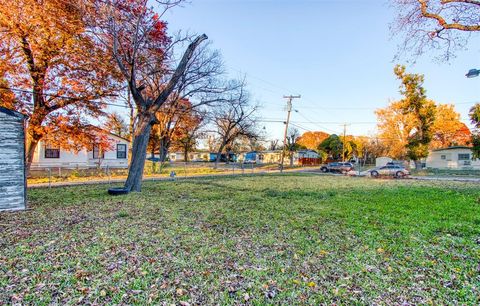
139, 154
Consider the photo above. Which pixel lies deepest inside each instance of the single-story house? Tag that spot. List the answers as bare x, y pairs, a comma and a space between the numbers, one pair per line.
301, 157
47, 156
262, 157
224, 157
456, 157
192, 156
12, 160
306, 158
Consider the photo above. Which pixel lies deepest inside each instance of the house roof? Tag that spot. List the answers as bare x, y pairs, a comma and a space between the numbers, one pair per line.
99, 128
12, 113
452, 148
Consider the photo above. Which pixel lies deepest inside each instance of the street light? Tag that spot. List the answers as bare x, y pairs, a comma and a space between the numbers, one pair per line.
472, 73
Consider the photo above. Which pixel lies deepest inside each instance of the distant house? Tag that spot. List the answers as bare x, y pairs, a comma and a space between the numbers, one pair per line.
47, 156
192, 156
262, 157
301, 157
457, 157
12, 160
224, 157
306, 158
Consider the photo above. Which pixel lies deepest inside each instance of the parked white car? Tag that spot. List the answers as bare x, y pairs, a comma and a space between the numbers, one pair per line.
394, 170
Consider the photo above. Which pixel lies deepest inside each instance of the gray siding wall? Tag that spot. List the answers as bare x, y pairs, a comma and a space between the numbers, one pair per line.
12, 163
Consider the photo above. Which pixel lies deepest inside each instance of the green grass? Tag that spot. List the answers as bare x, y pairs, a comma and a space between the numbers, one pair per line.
291, 239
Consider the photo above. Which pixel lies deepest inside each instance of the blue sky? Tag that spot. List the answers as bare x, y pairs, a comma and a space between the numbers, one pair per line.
337, 54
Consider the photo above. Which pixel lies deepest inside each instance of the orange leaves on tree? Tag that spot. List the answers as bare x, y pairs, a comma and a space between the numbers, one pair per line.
59, 72
311, 140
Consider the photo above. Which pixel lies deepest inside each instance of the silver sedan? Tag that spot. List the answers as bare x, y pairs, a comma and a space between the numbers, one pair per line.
390, 170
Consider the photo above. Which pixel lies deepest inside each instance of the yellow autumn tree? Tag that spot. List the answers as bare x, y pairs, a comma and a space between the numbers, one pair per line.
394, 126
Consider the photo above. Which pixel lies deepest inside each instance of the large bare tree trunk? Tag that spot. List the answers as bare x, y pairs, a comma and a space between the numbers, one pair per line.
146, 117
139, 154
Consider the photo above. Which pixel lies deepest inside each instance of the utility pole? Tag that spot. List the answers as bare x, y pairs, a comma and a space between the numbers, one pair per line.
344, 141
289, 110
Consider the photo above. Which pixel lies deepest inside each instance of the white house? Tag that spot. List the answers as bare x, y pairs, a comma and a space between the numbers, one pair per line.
47, 156
192, 156
457, 157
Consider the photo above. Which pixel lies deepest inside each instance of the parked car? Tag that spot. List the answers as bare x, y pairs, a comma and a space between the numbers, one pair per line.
337, 167
394, 170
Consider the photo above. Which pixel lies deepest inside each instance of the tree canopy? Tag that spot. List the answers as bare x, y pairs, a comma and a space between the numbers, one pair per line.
312, 139
57, 71
435, 25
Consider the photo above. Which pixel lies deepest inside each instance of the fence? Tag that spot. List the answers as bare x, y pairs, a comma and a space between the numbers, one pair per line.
51, 175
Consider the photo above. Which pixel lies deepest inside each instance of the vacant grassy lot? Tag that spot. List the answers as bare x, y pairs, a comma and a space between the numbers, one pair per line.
292, 239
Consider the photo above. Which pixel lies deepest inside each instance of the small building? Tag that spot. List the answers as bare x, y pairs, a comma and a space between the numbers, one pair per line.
263, 157
301, 157
13, 183
224, 157
192, 156
47, 156
456, 157
306, 158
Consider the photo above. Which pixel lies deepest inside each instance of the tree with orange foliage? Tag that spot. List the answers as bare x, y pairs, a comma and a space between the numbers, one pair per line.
187, 132
447, 128
116, 124
311, 140
395, 126
174, 119
56, 70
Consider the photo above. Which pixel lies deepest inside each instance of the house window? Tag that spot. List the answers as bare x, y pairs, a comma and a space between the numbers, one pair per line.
443, 157
465, 156
121, 151
52, 152
97, 153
